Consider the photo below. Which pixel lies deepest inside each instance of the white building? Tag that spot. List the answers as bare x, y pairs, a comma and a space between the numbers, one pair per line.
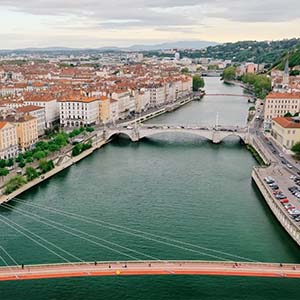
79, 111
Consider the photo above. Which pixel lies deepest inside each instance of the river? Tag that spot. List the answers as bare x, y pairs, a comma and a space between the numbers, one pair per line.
177, 186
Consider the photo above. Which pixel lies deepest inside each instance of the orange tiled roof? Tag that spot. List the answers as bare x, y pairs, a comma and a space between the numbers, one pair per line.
274, 95
286, 122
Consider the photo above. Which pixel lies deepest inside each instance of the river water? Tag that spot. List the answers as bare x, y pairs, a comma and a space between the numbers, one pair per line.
177, 186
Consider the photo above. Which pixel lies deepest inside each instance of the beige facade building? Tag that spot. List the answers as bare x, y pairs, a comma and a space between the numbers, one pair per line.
286, 131
27, 132
8, 140
104, 109
279, 104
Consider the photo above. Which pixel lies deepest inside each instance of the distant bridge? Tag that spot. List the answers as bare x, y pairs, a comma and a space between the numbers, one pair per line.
232, 95
138, 268
215, 134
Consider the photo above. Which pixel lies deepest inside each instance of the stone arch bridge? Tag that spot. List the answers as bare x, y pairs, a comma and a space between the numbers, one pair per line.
215, 134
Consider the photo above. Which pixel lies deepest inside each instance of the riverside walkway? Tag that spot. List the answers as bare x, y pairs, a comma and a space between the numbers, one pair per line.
138, 268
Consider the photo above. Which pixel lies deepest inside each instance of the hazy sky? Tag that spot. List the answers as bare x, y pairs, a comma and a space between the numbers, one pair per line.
96, 23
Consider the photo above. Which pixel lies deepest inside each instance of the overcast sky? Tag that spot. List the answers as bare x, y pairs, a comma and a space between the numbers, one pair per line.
96, 23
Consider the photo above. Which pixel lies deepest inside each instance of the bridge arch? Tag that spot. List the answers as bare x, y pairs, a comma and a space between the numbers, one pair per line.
240, 136
113, 134
148, 134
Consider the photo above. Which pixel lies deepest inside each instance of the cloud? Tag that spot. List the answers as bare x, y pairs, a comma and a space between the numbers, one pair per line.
160, 10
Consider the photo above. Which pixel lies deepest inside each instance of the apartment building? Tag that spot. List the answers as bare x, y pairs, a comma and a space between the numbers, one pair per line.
8, 140
286, 131
279, 104
79, 111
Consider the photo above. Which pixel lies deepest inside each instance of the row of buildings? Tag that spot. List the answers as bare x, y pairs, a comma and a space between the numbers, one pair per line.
282, 108
34, 97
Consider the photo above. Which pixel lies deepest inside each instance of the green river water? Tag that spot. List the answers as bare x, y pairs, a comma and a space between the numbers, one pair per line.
177, 186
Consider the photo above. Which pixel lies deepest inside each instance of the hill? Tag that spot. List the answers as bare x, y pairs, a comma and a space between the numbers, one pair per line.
293, 57
258, 52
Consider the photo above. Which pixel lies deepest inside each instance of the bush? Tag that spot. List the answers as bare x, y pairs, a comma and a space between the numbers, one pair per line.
79, 148
14, 183
90, 129
31, 173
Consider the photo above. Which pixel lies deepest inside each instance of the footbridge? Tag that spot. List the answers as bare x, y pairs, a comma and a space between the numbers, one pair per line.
138, 268
215, 134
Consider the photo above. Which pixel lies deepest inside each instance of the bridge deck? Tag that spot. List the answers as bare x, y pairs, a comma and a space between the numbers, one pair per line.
149, 268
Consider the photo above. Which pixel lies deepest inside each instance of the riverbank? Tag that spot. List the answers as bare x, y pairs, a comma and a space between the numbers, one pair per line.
68, 161
64, 165
281, 215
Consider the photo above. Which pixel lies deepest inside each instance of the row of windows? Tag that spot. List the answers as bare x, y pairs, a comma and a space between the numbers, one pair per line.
283, 106
284, 101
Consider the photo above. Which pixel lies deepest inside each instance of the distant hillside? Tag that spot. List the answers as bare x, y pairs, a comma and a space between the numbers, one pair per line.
173, 45
293, 57
258, 52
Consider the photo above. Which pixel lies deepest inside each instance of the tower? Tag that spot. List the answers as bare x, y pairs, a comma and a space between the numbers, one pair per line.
286, 74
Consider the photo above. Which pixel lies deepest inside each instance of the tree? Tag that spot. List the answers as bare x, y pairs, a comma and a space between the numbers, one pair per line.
3, 172
249, 78
296, 149
185, 70
14, 183
10, 162
198, 83
288, 115
22, 164
229, 73
2, 163
31, 173
46, 166
39, 155
77, 150
262, 86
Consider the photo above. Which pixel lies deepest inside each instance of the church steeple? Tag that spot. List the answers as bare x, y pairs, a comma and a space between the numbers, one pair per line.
286, 74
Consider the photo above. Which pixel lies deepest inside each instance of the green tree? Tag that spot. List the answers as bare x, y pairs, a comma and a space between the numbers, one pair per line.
198, 83
185, 70
46, 166
288, 115
89, 129
22, 164
39, 155
262, 86
2, 163
14, 183
3, 172
249, 78
77, 150
229, 73
31, 173
296, 149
